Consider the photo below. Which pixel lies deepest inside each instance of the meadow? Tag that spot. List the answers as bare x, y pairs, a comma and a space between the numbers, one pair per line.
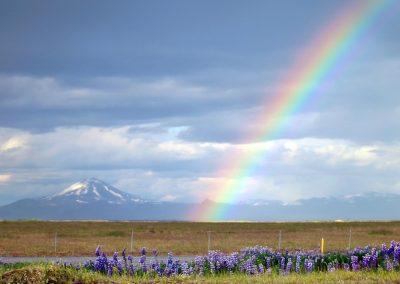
36, 238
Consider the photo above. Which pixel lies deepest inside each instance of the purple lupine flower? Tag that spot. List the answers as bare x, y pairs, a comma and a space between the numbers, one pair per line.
185, 268
170, 268
297, 267
199, 265
396, 253
356, 250
252, 260
110, 270
396, 264
366, 261
354, 263
374, 258
232, 261
308, 265
288, 265
212, 267
249, 266
143, 251
142, 262
155, 266
268, 263
298, 262
170, 258
261, 269
391, 248
383, 250
116, 262
124, 255
101, 263
388, 263
331, 267
131, 267
283, 262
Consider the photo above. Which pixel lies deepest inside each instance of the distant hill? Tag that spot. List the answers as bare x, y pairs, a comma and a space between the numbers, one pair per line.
94, 199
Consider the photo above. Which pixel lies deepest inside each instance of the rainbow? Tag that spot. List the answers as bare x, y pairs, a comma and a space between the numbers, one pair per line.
336, 40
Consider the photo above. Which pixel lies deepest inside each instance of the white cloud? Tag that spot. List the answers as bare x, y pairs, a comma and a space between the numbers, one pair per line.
4, 178
156, 166
104, 92
12, 144
168, 197
97, 147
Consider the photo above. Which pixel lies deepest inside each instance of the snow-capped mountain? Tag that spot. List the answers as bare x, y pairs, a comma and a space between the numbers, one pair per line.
94, 190
95, 200
91, 199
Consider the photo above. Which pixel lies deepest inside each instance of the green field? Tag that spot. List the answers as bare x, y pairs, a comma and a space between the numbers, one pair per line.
35, 238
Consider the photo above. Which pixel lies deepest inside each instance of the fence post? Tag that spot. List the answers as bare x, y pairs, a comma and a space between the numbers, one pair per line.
55, 242
279, 239
322, 246
349, 246
209, 241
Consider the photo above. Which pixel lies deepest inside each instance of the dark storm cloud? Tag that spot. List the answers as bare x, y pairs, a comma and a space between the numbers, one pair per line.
43, 103
147, 38
188, 64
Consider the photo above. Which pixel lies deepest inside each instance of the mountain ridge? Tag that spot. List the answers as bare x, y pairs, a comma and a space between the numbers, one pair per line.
93, 199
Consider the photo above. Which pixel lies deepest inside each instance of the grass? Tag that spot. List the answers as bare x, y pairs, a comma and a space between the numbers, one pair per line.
36, 238
46, 273
382, 232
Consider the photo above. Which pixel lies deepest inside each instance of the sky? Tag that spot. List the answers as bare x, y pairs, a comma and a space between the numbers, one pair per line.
155, 96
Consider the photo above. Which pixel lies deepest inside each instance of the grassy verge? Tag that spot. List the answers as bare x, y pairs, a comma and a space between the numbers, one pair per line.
46, 273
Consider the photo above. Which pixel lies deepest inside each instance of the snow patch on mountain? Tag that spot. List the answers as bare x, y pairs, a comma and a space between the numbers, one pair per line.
94, 190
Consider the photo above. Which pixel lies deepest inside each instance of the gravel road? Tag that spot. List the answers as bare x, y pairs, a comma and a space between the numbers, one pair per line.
75, 259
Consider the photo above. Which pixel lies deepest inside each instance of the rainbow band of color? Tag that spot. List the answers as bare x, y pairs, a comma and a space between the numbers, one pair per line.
325, 53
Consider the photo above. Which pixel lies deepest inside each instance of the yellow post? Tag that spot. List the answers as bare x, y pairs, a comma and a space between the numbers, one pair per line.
322, 245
